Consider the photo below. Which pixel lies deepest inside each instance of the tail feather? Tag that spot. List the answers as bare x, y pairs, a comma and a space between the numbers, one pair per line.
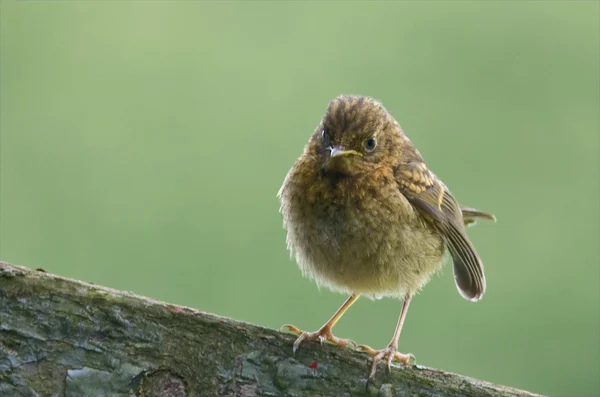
471, 215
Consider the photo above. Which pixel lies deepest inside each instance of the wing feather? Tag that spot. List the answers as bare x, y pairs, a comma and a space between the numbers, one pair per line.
437, 205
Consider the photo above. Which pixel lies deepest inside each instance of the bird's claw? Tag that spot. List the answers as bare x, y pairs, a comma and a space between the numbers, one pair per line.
389, 354
323, 335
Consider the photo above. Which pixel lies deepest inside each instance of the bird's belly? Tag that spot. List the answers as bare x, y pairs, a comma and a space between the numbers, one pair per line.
375, 252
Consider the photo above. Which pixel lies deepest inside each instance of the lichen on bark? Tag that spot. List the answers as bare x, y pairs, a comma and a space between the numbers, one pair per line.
67, 338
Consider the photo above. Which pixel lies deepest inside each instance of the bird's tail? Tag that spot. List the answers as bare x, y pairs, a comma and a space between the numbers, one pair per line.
471, 215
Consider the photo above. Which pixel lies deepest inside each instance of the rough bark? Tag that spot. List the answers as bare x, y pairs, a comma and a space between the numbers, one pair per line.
62, 337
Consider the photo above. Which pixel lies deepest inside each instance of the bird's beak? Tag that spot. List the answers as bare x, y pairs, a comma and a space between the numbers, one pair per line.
336, 151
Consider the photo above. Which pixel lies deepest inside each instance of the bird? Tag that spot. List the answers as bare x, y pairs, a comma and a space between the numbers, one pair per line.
365, 216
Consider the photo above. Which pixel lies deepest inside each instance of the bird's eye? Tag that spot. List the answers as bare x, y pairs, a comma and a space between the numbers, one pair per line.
325, 137
371, 143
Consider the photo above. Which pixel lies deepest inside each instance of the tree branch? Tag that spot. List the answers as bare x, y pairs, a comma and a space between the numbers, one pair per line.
62, 337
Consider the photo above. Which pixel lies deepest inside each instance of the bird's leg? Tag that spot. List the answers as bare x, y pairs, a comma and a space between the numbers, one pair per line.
391, 351
324, 333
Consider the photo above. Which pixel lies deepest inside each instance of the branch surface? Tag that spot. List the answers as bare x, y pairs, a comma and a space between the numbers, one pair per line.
66, 338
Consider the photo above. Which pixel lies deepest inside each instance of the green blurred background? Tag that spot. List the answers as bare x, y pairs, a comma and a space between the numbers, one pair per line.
143, 144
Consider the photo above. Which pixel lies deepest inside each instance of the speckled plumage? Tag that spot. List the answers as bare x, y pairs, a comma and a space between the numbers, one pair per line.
364, 215
368, 241
349, 223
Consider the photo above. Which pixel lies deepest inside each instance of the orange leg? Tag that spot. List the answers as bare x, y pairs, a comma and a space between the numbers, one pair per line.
324, 333
391, 351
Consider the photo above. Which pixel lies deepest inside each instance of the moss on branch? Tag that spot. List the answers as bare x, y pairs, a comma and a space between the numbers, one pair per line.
62, 337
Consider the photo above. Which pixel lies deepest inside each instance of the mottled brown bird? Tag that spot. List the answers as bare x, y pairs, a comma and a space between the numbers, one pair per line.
365, 216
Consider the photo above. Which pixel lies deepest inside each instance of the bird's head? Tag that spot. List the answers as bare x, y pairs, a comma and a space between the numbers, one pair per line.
356, 135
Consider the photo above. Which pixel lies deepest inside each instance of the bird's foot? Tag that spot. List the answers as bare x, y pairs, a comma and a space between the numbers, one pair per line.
322, 335
389, 354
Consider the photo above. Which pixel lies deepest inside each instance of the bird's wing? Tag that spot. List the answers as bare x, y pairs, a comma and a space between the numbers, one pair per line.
435, 203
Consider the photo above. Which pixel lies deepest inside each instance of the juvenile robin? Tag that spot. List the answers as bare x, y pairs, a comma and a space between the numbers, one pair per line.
365, 216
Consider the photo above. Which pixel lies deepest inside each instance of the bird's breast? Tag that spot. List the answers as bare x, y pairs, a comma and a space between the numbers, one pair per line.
360, 235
